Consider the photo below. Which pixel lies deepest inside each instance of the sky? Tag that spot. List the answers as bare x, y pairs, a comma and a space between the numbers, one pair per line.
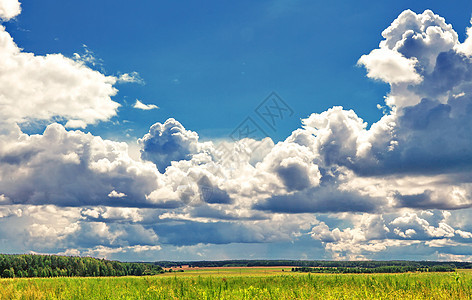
157, 130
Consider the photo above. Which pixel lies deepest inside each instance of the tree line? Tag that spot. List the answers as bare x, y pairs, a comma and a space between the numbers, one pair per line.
312, 263
381, 269
29, 265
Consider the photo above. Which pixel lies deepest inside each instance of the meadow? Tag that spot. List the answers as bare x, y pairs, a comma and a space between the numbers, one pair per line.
245, 283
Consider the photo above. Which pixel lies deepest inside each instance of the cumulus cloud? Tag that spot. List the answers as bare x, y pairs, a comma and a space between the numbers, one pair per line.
422, 36
390, 66
76, 124
71, 168
168, 142
48, 227
293, 165
423, 114
115, 194
466, 47
398, 159
409, 52
43, 87
9, 9
371, 233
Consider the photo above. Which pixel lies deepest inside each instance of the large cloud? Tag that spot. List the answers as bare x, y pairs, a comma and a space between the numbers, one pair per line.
72, 169
423, 113
36, 87
390, 66
9, 9
371, 233
168, 142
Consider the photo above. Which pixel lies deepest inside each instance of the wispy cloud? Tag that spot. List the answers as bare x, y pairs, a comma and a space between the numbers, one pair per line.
140, 105
132, 77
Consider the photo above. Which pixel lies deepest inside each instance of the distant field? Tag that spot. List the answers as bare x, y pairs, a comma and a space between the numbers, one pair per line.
231, 271
245, 283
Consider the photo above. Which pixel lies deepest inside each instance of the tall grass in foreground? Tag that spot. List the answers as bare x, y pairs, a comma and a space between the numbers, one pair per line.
310, 286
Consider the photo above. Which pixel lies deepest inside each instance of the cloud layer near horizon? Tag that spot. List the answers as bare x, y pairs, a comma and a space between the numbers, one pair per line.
354, 191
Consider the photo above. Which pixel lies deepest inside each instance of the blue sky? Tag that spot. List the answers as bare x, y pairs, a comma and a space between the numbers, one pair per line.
351, 169
209, 65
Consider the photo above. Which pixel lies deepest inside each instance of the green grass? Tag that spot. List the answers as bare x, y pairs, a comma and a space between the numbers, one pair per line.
257, 283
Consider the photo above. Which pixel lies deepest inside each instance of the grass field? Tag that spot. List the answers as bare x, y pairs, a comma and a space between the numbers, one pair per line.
245, 283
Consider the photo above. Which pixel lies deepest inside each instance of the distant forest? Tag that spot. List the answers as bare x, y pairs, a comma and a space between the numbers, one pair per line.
318, 264
28, 265
382, 269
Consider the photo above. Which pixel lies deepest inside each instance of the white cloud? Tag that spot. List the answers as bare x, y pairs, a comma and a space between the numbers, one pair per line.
71, 168
115, 194
373, 233
423, 36
168, 142
340, 136
390, 66
132, 77
408, 53
464, 234
36, 87
9, 9
466, 47
140, 105
293, 165
76, 124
